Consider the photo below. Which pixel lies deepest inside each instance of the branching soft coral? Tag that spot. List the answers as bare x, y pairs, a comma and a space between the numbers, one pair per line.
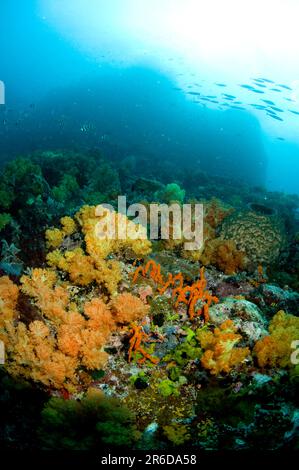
220, 354
51, 300
275, 350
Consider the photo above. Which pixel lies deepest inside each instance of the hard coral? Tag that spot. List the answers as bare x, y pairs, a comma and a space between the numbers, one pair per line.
261, 237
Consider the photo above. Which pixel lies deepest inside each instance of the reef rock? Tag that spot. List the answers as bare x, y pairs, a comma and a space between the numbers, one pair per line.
246, 316
282, 299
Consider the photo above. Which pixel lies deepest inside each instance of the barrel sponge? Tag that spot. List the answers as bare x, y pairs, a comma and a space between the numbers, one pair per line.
261, 237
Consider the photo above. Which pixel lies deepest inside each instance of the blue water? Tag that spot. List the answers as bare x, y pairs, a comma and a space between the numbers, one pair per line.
66, 87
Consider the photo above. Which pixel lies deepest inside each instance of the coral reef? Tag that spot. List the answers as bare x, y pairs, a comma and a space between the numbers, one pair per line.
119, 341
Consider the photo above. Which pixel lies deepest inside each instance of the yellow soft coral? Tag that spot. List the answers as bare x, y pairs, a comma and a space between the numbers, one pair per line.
220, 354
55, 236
275, 350
83, 270
91, 263
68, 225
124, 236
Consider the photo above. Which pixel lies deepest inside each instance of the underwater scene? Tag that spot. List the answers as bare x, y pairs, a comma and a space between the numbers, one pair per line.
149, 222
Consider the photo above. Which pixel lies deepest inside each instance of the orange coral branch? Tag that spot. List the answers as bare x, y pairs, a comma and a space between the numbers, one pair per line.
139, 336
189, 295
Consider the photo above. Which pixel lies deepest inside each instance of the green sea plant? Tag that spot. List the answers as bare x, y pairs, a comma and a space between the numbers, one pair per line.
171, 193
86, 423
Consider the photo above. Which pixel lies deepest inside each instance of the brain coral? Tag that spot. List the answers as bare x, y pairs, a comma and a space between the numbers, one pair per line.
260, 236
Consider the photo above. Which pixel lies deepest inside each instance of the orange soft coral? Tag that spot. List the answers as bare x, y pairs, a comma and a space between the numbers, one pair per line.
70, 334
224, 255
99, 316
275, 350
36, 280
215, 212
127, 308
51, 300
8, 299
220, 354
